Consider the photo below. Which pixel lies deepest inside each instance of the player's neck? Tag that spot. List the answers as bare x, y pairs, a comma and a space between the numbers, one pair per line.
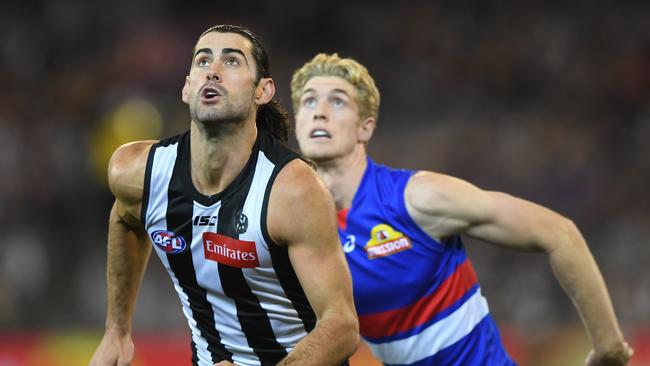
219, 154
343, 176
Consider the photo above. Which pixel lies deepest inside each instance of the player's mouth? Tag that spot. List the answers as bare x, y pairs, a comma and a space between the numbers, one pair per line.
319, 133
210, 95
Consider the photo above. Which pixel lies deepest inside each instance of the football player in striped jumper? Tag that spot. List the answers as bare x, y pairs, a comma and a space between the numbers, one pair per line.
243, 226
415, 290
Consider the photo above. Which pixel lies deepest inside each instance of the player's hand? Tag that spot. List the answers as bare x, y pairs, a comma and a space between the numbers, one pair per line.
224, 363
616, 357
114, 351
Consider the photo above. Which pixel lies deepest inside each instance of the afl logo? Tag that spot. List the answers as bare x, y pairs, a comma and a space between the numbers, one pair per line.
169, 242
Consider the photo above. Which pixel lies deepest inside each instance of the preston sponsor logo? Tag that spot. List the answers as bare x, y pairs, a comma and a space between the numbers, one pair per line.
384, 240
169, 242
230, 251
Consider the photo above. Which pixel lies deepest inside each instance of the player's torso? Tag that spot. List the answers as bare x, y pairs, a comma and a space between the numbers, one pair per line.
417, 298
237, 288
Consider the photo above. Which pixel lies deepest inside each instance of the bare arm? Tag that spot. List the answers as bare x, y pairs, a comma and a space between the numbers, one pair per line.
443, 205
302, 216
128, 254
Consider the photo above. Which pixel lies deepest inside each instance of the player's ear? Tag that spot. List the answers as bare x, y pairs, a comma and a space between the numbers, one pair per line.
366, 128
186, 90
265, 91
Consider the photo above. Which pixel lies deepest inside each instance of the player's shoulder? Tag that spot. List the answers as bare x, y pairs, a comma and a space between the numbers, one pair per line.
299, 204
430, 188
126, 170
435, 179
298, 180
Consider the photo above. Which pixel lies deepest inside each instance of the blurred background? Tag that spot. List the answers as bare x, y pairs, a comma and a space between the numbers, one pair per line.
549, 101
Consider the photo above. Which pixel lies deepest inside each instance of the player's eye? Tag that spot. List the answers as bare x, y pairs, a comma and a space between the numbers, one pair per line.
338, 102
309, 102
231, 61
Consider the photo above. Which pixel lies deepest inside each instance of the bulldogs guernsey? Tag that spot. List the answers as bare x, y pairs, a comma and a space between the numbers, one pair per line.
418, 301
241, 297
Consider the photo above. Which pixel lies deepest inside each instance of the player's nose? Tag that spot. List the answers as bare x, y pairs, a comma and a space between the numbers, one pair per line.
214, 73
321, 112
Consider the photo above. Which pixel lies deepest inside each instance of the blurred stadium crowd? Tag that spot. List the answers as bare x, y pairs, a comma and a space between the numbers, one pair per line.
549, 101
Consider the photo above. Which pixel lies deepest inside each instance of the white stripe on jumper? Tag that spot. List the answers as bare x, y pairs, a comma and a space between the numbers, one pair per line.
437, 336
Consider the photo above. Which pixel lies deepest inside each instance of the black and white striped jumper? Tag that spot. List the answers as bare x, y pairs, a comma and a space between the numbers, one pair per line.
239, 292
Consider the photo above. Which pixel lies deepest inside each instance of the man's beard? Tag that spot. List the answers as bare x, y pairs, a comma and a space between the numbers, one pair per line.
226, 113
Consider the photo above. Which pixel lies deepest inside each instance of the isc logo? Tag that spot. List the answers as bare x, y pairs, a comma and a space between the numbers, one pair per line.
205, 220
168, 241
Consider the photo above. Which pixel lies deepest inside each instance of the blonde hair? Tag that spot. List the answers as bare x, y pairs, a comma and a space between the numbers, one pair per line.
345, 68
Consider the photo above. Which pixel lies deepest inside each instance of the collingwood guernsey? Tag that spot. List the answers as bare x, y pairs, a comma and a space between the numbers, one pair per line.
241, 297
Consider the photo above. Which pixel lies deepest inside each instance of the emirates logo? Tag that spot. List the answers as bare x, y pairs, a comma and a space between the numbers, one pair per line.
230, 251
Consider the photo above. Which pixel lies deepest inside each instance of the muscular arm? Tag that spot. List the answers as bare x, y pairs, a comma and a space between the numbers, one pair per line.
128, 253
302, 216
443, 205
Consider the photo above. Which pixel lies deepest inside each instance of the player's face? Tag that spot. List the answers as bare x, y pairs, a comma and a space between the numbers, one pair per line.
328, 125
221, 84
